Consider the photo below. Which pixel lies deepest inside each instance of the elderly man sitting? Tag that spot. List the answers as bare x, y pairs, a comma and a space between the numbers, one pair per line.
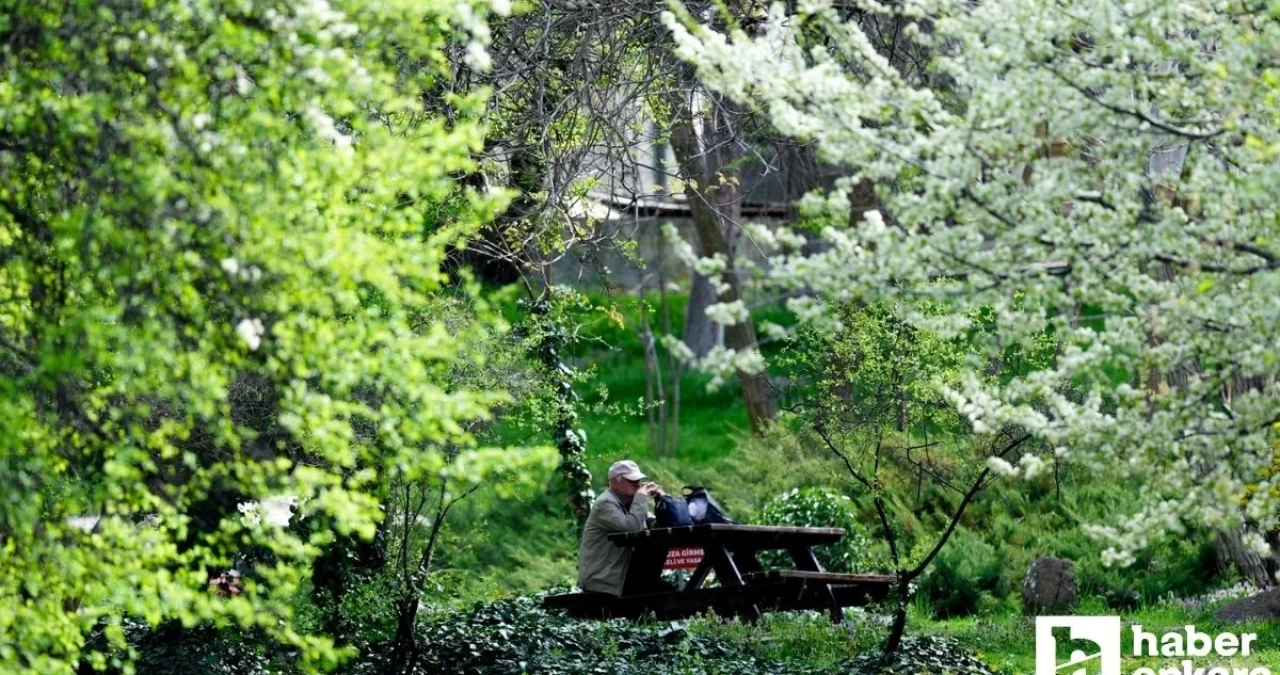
624, 507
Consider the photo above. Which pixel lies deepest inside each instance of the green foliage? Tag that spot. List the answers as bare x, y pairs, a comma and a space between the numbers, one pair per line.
817, 507
807, 638
983, 567
171, 649
1026, 522
523, 544
220, 250
514, 636
924, 656
879, 372
966, 570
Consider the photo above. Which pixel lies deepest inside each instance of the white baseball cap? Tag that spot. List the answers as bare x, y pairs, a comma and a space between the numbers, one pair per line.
626, 469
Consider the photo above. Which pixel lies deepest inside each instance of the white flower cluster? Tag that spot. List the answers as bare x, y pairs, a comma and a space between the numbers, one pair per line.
723, 363
1101, 178
327, 130
1029, 466
678, 348
474, 24
274, 511
232, 267
760, 235
683, 250
729, 313
251, 331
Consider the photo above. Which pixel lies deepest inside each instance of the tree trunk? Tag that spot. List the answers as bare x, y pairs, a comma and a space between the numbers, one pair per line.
1254, 568
899, 625
712, 184
700, 332
404, 652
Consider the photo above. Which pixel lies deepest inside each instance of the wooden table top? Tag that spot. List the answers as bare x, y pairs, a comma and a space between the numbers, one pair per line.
736, 536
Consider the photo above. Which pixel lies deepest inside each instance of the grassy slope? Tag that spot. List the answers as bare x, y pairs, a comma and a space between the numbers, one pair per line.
1008, 642
530, 545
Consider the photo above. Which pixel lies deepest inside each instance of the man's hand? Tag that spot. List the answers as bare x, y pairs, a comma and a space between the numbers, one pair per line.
652, 490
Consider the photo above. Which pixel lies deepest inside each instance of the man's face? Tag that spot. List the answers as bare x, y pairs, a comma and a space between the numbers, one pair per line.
624, 488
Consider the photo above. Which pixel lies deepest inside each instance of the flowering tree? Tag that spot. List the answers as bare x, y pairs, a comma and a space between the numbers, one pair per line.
221, 225
1098, 173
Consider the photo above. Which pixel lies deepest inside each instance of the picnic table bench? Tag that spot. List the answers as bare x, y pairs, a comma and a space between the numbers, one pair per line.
746, 589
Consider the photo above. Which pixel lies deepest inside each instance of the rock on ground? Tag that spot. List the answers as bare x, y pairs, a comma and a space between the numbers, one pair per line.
1265, 605
1050, 587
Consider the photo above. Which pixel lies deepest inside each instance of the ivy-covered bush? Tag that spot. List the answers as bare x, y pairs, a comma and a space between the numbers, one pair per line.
514, 637
819, 507
925, 655
172, 649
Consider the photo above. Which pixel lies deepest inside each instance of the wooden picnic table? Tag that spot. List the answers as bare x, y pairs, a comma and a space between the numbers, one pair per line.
746, 588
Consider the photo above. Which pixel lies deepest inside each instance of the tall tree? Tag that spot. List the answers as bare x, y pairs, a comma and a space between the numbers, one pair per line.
576, 88
1021, 182
221, 230
710, 168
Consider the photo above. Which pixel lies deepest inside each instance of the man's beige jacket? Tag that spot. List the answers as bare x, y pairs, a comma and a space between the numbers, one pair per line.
602, 566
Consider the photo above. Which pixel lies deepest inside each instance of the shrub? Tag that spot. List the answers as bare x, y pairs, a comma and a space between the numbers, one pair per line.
818, 507
171, 649
1181, 568
515, 636
967, 569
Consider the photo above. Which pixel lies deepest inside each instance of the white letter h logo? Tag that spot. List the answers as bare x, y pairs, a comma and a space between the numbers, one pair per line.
1078, 645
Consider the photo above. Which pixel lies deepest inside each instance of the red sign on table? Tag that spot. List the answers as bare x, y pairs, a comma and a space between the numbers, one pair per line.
683, 558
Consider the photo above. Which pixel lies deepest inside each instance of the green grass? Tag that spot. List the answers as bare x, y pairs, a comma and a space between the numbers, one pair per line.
1007, 641
528, 543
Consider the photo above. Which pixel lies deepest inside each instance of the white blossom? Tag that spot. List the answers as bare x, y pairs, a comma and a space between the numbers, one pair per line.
1001, 467
711, 266
750, 362
327, 130
788, 238
274, 511
1031, 465
678, 348
761, 236
1116, 198
251, 331
244, 85
872, 222
682, 249
729, 313
775, 331
1256, 543
478, 57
